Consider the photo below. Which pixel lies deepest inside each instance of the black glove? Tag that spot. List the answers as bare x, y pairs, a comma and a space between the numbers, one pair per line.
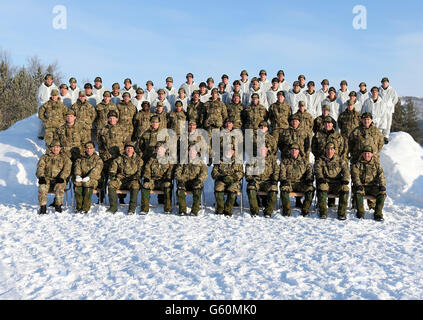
359, 188
180, 184
273, 182
146, 180
42, 180
252, 183
284, 183
321, 180
59, 180
382, 188
345, 183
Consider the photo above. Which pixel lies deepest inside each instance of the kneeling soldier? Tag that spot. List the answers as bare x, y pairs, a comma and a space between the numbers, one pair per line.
157, 176
87, 174
296, 175
227, 176
333, 177
125, 173
191, 177
368, 179
52, 171
265, 181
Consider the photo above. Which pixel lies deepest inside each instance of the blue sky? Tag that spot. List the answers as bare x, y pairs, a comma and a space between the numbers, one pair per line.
150, 40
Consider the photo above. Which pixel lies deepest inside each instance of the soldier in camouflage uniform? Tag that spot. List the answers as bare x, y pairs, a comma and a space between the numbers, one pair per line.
368, 179
236, 111
328, 134
366, 134
87, 172
269, 140
215, 112
332, 177
162, 115
70, 137
147, 142
195, 109
348, 120
53, 115
294, 134
127, 112
296, 175
255, 113
102, 110
191, 177
306, 119
85, 115
227, 176
125, 173
116, 95
318, 122
157, 176
142, 121
265, 181
279, 113
175, 118
53, 169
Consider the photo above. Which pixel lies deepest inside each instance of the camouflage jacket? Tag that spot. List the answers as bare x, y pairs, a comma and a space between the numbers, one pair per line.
348, 121
85, 113
53, 114
89, 166
141, 123
290, 136
71, 140
236, 112
51, 166
154, 170
254, 115
191, 171
295, 170
163, 119
270, 172
322, 137
125, 167
102, 109
279, 115
333, 170
221, 170
111, 142
361, 137
127, 112
365, 173
195, 111
173, 121
215, 113
306, 121
318, 124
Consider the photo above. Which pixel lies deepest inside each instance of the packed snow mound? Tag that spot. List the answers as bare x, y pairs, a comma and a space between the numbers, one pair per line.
402, 162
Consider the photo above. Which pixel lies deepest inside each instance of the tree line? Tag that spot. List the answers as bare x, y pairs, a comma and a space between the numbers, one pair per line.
406, 119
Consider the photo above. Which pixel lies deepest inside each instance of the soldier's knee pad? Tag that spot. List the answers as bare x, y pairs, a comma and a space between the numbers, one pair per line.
323, 187
167, 184
114, 184
219, 186
345, 189
251, 187
147, 185
287, 189
233, 187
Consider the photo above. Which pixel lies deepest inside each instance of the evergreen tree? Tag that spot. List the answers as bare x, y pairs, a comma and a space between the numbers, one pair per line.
398, 118
411, 122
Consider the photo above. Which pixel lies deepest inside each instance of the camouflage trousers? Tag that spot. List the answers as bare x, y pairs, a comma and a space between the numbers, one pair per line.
49, 135
124, 184
160, 185
297, 187
220, 186
57, 188
268, 201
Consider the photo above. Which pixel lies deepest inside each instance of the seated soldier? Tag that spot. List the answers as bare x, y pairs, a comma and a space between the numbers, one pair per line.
332, 177
87, 174
191, 177
227, 176
157, 176
368, 179
263, 180
296, 175
125, 174
52, 171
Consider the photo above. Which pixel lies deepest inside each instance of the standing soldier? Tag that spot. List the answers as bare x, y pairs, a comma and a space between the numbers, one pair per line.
270, 142
139, 99
390, 96
191, 177
296, 175
127, 87
161, 97
283, 84
322, 94
368, 179
264, 83
332, 177
255, 113
302, 80
98, 88
162, 115
157, 176
43, 96
147, 142
170, 91
116, 95
363, 94
53, 170
245, 87
227, 176
328, 134
318, 122
236, 89
70, 137
175, 118
271, 94
294, 134
236, 110
380, 112
255, 89
366, 134
189, 86
85, 113
204, 93
195, 109
215, 112
73, 90
125, 173
334, 103
102, 111
53, 115
294, 96
223, 95
312, 100
279, 113
142, 121
92, 98
343, 92
87, 174
348, 120
262, 180
225, 80
182, 97
306, 119
65, 96
127, 112
210, 84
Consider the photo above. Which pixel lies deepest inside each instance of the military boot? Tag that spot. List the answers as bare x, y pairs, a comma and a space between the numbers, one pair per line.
298, 203
270, 204
133, 199
342, 206
230, 200
308, 198
122, 198
182, 202
286, 204
145, 201
43, 210
360, 206
220, 202
196, 201
322, 197
252, 199
112, 200
380, 201
167, 200
79, 198
331, 202
58, 208
87, 200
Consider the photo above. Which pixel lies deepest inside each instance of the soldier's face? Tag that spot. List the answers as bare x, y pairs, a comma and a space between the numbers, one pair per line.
159, 109
237, 87
237, 99
192, 127
353, 98
229, 125
294, 153
195, 97
113, 120
160, 151
255, 100
88, 91
56, 149
263, 77
302, 81
310, 88
155, 125
329, 152
362, 88
178, 108
139, 96
126, 99
325, 87
264, 129
375, 94
367, 156
385, 84
63, 92
295, 124
161, 96
49, 81
192, 154
190, 80
146, 107
181, 95
70, 119
225, 80
281, 77
203, 89
255, 85
127, 85
275, 85
281, 98
296, 89
149, 87
244, 77
215, 95
129, 151
328, 126
343, 87
107, 99
82, 98
332, 95
54, 98
325, 112
97, 84
210, 84
366, 122
115, 90
72, 85
169, 84
89, 150
302, 108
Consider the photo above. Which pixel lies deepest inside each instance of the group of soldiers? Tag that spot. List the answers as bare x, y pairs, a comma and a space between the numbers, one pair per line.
345, 138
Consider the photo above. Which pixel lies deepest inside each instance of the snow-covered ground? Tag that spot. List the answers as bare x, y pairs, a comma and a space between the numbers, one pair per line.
103, 256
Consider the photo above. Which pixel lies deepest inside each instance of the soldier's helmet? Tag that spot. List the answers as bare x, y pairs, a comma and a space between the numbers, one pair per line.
327, 119
281, 93
353, 94
294, 117
54, 92
192, 122
301, 104
294, 146
330, 145
71, 112
89, 144
296, 84
362, 84
244, 72
145, 103
82, 93
107, 94
169, 79
155, 118
343, 82
72, 80
55, 143
325, 81
311, 83
178, 103
263, 123
195, 92
367, 148
161, 91
130, 144
255, 95
326, 107
375, 89
236, 82
366, 115
98, 79
112, 113
384, 79
126, 94
332, 89
64, 86
280, 72
88, 86
140, 90
229, 119
149, 82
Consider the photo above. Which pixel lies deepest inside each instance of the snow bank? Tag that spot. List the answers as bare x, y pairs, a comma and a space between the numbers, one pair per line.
402, 161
